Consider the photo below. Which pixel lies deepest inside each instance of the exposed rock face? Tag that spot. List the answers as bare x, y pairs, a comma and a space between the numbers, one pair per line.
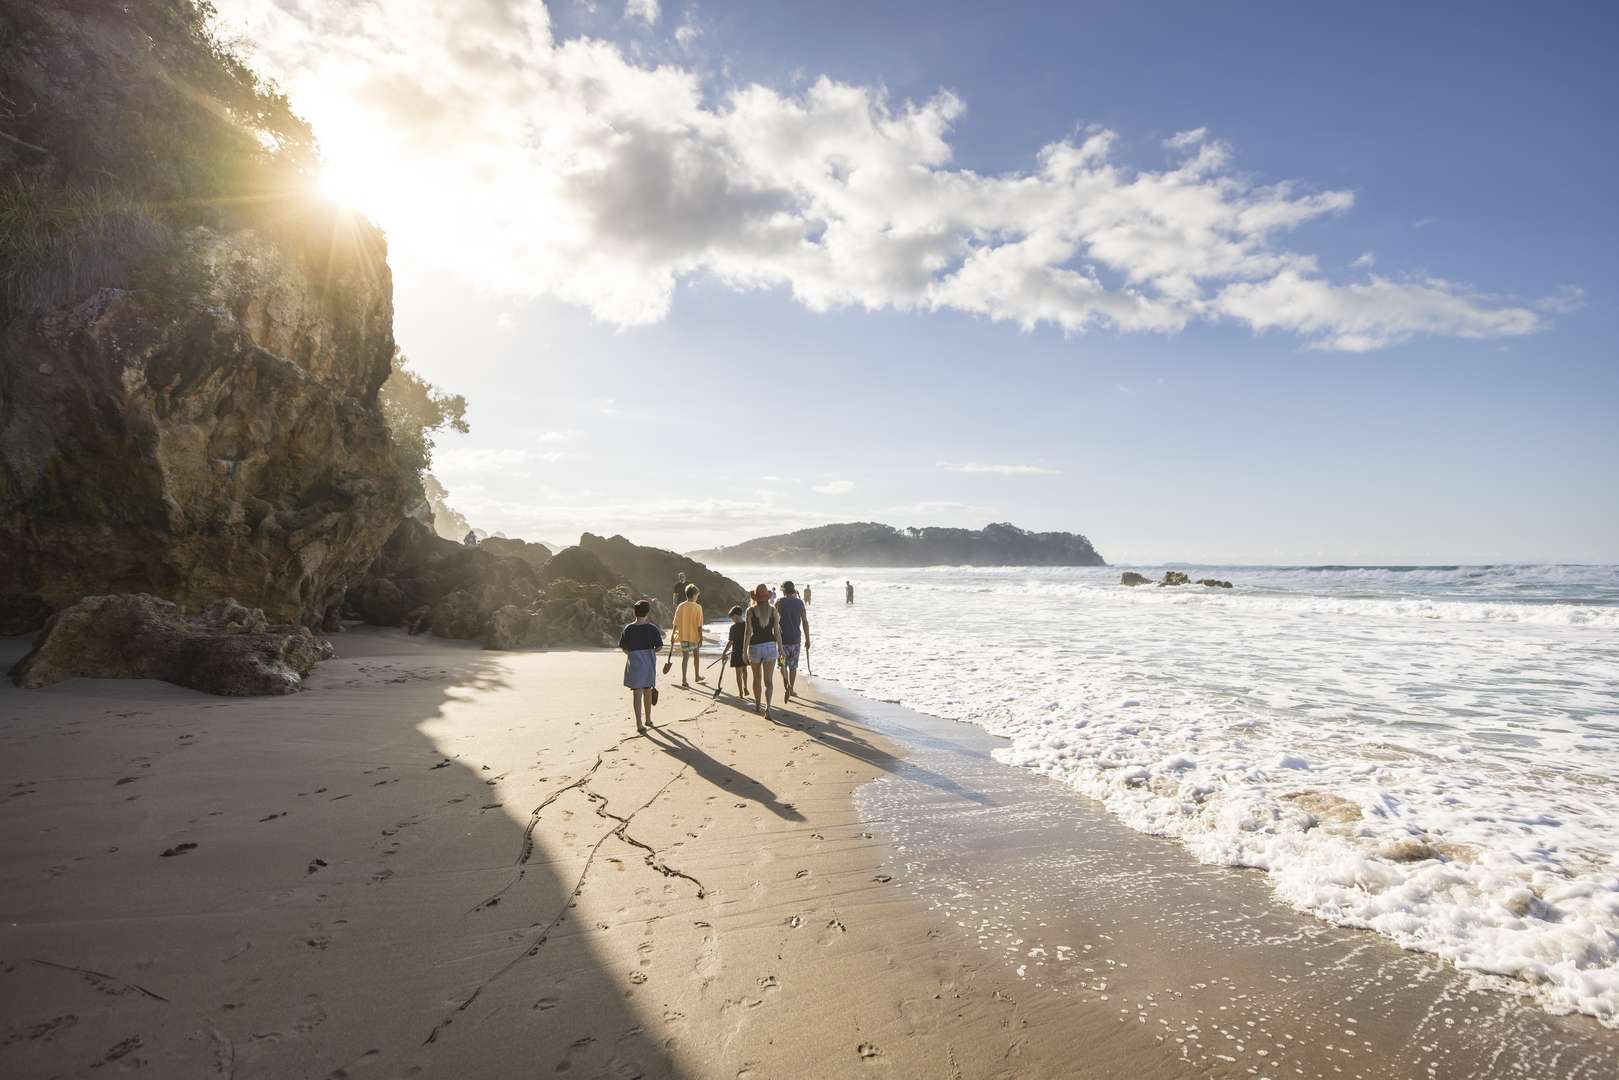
427, 583
651, 571
581, 565
536, 555
1130, 577
1175, 577
195, 416
227, 649
234, 451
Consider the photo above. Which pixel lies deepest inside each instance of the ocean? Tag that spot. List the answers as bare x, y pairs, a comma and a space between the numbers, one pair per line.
1428, 752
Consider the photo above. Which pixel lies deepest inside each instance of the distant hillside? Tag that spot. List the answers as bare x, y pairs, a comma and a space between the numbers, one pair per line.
866, 543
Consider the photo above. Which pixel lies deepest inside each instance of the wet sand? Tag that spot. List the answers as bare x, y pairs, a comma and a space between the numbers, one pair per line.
444, 862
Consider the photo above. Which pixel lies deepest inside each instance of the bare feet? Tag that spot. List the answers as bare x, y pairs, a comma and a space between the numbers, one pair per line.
701, 679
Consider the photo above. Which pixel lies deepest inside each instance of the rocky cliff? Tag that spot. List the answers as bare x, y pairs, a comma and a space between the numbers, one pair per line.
870, 544
190, 343
651, 572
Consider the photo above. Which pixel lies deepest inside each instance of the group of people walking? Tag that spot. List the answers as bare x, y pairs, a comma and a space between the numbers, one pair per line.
773, 631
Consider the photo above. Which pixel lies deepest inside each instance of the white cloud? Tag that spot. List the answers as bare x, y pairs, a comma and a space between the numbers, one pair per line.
1001, 470
1365, 261
541, 167
553, 436
939, 507
645, 10
1183, 139
1380, 312
834, 487
468, 461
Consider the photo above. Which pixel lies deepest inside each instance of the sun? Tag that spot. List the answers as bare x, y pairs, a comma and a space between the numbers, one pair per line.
350, 185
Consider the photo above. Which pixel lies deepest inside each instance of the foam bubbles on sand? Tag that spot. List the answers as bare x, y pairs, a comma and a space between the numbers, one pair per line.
1431, 753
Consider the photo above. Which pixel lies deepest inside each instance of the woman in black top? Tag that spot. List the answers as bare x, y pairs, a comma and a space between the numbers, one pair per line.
762, 639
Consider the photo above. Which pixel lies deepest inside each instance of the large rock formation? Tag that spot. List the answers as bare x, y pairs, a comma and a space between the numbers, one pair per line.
866, 543
188, 394
227, 649
428, 584
576, 597
651, 571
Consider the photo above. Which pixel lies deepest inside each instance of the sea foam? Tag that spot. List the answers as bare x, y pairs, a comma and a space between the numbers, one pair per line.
1430, 753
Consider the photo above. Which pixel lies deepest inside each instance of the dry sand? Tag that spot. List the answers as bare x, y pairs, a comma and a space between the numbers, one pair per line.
448, 863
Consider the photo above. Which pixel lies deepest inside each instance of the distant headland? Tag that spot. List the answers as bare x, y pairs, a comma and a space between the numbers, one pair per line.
867, 543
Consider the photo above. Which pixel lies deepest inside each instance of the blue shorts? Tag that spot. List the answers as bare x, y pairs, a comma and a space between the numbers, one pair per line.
690, 646
790, 650
762, 654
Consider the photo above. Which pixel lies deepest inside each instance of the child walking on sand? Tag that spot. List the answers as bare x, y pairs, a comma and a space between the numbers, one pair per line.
641, 641
689, 632
738, 653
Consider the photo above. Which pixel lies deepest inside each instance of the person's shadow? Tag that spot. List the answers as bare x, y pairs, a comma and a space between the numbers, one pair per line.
830, 733
719, 774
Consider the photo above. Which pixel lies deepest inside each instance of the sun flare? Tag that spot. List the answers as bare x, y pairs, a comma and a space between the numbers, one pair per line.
346, 185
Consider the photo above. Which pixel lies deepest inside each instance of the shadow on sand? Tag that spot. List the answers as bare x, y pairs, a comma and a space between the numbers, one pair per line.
238, 959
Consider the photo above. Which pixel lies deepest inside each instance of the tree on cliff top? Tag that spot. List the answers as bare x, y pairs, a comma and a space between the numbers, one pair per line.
416, 411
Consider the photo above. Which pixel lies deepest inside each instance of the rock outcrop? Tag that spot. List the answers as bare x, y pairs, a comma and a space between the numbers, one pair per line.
536, 555
428, 584
651, 572
189, 368
1171, 577
227, 649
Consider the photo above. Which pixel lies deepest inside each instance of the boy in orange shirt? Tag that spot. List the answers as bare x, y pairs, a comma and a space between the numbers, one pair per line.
689, 632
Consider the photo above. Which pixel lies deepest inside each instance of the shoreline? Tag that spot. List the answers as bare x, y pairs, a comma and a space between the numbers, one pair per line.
443, 861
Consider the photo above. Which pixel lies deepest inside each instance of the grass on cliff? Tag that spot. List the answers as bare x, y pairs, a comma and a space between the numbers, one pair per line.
60, 243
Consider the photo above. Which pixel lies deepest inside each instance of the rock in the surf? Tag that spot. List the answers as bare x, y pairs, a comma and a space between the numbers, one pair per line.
1130, 577
1175, 577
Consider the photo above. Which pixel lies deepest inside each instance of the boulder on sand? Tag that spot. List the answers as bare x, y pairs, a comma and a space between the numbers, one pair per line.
1130, 577
227, 649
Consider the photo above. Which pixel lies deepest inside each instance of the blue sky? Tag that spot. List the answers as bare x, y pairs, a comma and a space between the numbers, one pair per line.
1411, 358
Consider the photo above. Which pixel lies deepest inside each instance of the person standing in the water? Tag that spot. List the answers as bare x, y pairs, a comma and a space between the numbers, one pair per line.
848, 592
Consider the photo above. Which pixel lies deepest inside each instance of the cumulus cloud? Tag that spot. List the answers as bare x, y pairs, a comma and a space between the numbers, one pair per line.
571, 169
1000, 470
834, 487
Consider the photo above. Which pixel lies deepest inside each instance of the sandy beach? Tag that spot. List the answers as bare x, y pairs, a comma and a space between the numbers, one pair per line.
439, 861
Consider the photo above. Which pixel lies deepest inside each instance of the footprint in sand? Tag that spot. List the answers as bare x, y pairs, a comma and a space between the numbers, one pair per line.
833, 928
345, 1071
768, 984
867, 1051
177, 849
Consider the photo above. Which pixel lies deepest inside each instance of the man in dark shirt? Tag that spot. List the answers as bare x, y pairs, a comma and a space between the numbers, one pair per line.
794, 632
